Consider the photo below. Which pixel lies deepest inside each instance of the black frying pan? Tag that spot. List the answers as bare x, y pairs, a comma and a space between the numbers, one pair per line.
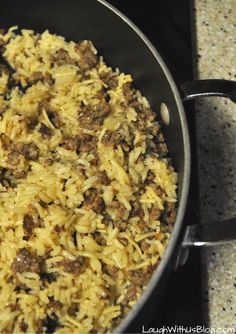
124, 46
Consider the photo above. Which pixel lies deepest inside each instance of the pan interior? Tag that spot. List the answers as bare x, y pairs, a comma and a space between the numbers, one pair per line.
123, 46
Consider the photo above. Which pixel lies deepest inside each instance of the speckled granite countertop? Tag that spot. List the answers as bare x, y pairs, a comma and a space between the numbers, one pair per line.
216, 136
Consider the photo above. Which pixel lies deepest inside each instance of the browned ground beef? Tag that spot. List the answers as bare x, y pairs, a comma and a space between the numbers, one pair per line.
93, 201
29, 151
100, 240
26, 261
110, 79
92, 117
71, 144
75, 267
88, 57
54, 305
62, 57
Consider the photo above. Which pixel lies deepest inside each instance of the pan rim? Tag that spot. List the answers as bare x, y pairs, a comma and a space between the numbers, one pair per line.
186, 173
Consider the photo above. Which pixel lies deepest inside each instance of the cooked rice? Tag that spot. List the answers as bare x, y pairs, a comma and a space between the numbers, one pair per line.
87, 192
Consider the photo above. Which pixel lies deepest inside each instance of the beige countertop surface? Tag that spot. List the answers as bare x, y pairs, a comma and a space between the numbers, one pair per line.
216, 137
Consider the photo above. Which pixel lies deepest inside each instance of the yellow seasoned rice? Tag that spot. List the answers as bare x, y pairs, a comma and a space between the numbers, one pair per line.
87, 190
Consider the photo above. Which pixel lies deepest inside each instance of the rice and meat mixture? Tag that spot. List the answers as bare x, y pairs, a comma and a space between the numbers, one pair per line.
87, 192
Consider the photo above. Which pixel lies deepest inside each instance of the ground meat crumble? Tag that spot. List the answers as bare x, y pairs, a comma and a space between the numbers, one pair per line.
25, 261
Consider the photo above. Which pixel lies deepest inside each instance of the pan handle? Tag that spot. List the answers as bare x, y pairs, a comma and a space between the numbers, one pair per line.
208, 234
213, 87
